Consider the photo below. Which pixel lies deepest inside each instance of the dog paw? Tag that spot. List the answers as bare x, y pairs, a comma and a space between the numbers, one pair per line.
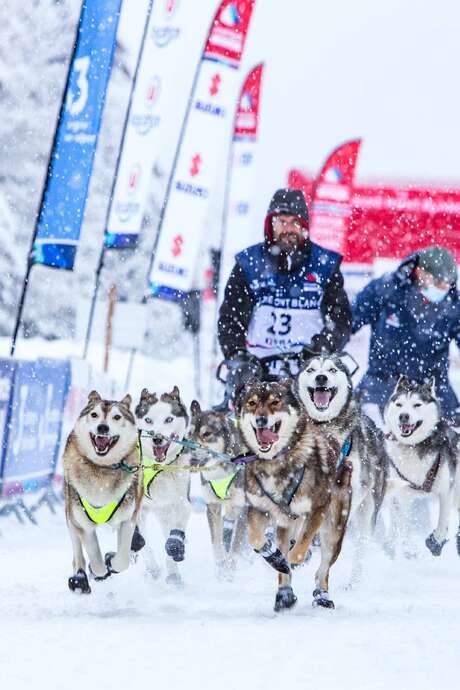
175, 545
321, 598
285, 599
434, 545
79, 582
175, 580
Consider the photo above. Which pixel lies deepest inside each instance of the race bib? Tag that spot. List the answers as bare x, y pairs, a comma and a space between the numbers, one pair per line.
274, 330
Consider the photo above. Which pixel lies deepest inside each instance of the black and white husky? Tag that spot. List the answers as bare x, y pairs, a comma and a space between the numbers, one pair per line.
324, 385
423, 457
160, 419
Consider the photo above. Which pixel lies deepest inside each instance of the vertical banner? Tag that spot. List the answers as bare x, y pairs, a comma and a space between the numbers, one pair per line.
40, 391
332, 198
64, 197
162, 87
7, 370
205, 138
238, 228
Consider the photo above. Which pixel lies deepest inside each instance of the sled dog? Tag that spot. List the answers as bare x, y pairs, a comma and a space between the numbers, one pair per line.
295, 484
160, 420
222, 488
423, 455
102, 484
325, 388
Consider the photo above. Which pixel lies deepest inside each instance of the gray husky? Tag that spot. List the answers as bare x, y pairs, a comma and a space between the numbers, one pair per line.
222, 487
324, 385
423, 453
102, 485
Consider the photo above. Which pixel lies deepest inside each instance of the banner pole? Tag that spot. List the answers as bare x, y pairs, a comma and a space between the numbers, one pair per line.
100, 265
30, 262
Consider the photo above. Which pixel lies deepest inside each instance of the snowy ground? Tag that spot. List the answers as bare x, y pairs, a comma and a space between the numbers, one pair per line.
399, 629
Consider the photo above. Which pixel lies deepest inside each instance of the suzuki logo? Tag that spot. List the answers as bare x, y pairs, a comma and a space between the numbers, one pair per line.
215, 84
171, 7
196, 165
176, 249
133, 178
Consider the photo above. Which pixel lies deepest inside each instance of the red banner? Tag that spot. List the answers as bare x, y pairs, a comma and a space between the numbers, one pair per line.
388, 221
332, 193
229, 31
247, 114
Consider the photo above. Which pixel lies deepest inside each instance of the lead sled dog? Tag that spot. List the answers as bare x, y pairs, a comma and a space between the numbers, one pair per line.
102, 485
294, 484
162, 422
424, 459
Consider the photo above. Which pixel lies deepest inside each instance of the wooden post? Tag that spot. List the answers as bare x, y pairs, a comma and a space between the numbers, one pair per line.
108, 327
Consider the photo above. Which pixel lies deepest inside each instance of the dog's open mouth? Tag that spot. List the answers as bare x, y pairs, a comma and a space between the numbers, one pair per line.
408, 429
322, 397
267, 436
160, 451
103, 443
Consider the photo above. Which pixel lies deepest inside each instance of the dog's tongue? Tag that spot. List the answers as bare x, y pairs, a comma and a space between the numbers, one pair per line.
102, 443
266, 436
321, 397
160, 451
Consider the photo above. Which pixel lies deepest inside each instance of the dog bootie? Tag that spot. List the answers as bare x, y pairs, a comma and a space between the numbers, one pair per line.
138, 541
321, 598
274, 557
79, 582
175, 545
285, 599
227, 534
435, 546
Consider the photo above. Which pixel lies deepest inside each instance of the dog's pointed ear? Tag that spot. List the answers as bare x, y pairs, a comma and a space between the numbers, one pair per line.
195, 408
127, 400
145, 395
403, 383
431, 385
175, 393
94, 397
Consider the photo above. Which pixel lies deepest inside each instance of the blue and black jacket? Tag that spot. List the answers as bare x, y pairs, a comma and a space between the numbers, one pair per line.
409, 335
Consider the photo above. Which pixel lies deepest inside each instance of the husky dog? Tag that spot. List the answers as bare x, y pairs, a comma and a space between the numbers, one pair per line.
423, 456
161, 421
325, 387
294, 483
102, 484
222, 488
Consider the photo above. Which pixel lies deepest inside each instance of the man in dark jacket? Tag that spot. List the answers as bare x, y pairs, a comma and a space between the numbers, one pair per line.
284, 294
414, 313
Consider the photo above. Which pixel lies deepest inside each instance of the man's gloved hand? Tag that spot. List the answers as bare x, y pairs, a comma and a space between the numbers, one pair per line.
241, 366
242, 358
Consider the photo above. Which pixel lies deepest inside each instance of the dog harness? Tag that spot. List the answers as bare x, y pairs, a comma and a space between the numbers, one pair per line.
288, 494
221, 487
429, 479
100, 515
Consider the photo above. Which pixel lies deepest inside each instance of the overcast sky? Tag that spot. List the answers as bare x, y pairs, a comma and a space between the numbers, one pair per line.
387, 72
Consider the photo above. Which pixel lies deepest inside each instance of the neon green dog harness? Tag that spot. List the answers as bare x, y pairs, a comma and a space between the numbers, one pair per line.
100, 515
221, 487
